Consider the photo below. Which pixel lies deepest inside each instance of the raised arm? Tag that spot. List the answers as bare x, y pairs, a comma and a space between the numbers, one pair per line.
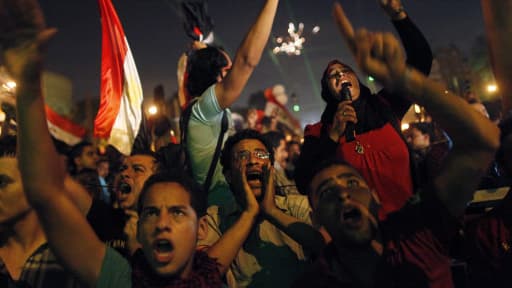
300, 231
25, 37
230, 242
475, 137
247, 56
417, 49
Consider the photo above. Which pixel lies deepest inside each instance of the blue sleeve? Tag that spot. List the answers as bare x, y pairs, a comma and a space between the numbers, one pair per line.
207, 108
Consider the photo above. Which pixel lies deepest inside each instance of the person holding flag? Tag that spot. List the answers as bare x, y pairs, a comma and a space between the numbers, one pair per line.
217, 82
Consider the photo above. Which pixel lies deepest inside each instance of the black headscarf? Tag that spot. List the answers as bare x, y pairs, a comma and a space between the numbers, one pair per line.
372, 111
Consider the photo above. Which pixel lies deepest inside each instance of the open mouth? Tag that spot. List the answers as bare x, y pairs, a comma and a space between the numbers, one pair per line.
163, 246
163, 250
254, 175
124, 188
351, 216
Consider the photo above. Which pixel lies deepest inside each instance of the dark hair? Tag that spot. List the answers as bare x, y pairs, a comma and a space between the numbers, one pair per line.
90, 181
203, 68
149, 153
305, 189
225, 157
8, 145
78, 149
274, 138
198, 199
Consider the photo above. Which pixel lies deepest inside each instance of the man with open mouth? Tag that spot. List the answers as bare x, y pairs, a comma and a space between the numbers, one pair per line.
410, 248
264, 255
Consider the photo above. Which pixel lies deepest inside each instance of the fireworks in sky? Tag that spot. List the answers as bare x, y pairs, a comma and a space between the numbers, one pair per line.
293, 43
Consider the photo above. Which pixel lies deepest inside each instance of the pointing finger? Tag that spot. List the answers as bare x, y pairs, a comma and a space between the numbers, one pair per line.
344, 25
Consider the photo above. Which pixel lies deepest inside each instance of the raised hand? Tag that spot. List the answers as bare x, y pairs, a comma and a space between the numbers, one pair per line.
130, 231
393, 8
268, 204
24, 37
377, 54
345, 113
251, 204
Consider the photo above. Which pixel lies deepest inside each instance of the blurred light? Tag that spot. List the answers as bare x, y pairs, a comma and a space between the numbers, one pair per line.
445, 91
417, 109
2, 116
293, 43
492, 88
296, 108
405, 126
288, 138
371, 79
11, 84
152, 110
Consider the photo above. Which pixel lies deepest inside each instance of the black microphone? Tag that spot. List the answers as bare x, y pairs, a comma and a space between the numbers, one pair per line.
347, 96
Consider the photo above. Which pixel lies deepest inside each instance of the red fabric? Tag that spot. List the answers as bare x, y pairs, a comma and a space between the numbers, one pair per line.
205, 273
385, 164
488, 245
271, 98
64, 123
114, 49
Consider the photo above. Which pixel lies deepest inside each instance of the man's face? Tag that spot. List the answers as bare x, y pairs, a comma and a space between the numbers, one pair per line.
12, 199
103, 168
417, 139
168, 229
339, 74
341, 203
293, 152
88, 158
281, 154
134, 172
252, 154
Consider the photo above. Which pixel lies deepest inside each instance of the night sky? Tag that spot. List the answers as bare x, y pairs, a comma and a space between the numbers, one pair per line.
157, 39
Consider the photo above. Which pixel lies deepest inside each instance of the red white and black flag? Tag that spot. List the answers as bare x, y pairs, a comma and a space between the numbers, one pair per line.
120, 115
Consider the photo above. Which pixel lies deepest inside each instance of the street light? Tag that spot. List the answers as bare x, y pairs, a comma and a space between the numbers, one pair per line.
152, 110
491, 88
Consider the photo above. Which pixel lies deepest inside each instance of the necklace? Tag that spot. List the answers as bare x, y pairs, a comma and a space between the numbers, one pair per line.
359, 148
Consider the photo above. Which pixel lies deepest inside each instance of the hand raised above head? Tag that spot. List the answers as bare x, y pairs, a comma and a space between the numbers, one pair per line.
393, 8
23, 36
377, 54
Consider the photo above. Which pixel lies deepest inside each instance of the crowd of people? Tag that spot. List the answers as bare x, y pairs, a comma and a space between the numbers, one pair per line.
357, 204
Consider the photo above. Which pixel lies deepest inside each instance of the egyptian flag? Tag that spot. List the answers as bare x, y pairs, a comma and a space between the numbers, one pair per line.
63, 129
120, 115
